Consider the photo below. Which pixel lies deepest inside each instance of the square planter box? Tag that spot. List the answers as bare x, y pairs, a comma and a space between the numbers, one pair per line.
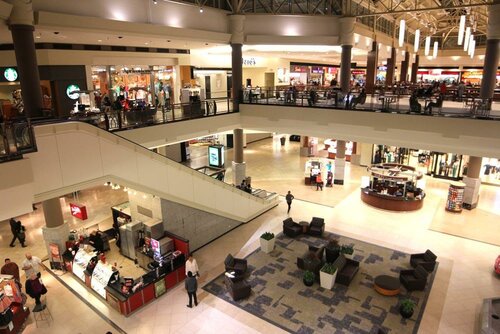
267, 246
326, 280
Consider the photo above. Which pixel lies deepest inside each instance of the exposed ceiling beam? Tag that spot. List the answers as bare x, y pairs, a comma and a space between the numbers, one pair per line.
426, 9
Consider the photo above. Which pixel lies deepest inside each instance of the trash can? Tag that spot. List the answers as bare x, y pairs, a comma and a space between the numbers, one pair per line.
282, 140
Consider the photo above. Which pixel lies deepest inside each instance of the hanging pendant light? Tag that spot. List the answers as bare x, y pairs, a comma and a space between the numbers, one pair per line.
467, 38
435, 51
471, 40
402, 27
461, 30
427, 45
473, 48
417, 40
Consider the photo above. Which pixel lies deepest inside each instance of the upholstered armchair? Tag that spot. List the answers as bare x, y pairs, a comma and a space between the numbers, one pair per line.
238, 290
291, 228
237, 265
414, 279
426, 260
317, 226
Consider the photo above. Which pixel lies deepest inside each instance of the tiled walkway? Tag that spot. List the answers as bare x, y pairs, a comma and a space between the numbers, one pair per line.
464, 277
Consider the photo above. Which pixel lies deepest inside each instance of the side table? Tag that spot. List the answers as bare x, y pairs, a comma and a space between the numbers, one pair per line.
305, 226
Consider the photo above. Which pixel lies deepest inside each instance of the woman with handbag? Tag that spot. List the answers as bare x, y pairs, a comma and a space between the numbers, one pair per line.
35, 289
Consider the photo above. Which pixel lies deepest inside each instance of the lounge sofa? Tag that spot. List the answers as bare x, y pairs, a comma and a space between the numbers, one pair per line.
238, 290
291, 228
317, 226
426, 260
312, 259
346, 269
237, 265
414, 279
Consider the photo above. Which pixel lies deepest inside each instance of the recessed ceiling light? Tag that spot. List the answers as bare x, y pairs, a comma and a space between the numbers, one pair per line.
146, 43
206, 43
99, 40
38, 37
56, 32
168, 41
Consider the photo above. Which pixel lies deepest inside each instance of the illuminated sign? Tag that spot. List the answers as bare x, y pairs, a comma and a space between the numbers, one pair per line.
78, 211
216, 155
249, 61
10, 74
71, 92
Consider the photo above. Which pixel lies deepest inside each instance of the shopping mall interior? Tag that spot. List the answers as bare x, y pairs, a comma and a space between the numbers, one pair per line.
331, 166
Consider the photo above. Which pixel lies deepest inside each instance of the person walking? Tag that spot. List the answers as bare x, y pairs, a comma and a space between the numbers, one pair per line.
11, 268
16, 229
192, 266
191, 285
289, 198
32, 265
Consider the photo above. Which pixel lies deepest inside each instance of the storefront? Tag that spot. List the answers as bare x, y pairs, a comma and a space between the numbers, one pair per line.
449, 76
474, 76
313, 74
381, 74
490, 171
215, 82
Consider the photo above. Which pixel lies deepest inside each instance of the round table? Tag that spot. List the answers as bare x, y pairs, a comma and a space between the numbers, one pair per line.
387, 285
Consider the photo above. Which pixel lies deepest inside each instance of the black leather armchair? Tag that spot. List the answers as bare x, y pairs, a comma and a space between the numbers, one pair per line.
238, 290
317, 226
426, 260
237, 265
414, 279
346, 268
291, 228
312, 259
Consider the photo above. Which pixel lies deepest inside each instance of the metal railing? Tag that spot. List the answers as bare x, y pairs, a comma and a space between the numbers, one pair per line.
393, 100
118, 120
16, 139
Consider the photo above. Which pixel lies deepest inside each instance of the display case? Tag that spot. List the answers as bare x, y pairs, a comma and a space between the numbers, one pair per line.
81, 261
331, 147
312, 168
455, 197
11, 302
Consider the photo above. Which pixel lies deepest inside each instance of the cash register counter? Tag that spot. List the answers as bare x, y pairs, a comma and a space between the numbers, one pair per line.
390, 202
153, 287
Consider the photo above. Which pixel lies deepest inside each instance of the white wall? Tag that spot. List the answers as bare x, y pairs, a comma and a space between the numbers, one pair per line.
73, 156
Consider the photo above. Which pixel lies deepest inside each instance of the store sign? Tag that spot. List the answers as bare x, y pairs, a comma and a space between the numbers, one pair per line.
78, 211
299, 69
249, 61
358, 72
10, 74
137, 71
316, 69
71, 92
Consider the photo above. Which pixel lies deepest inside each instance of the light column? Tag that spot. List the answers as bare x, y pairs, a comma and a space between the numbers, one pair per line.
346, 41
472, 183
492, 54
55, 230
21, 27
339, 171
237, 25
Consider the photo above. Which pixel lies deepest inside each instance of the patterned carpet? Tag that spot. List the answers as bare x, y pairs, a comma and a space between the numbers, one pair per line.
280, 297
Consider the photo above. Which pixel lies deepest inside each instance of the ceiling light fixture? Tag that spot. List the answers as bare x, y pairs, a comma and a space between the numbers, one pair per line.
471, 40
435, 51
402, 27
467, 38
461, 30
417, 40
201, 9
427, 45
473, 48
155, 2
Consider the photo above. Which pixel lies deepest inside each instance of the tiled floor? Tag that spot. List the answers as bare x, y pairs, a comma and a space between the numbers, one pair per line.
464, 277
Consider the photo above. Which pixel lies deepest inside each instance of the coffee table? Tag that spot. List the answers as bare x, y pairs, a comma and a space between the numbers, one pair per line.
387, 285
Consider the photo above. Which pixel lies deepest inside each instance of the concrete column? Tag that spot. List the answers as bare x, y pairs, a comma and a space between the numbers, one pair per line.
404, 67
239, 166
371, 68
347, 41
304, 146
55, 231
492, 54
472, 183
21, 27
236, 27
391, 67
414, 70
339, 171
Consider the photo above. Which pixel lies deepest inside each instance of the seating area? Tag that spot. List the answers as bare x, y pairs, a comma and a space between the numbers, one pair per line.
237, 289
312, 260
414, 279
292, 229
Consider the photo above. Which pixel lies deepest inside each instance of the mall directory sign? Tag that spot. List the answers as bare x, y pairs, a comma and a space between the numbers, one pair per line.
216, 156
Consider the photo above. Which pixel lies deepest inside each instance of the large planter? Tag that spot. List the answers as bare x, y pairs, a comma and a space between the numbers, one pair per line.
267, 246
327, 280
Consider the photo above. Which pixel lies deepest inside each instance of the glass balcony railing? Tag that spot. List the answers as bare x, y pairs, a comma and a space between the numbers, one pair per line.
16, 138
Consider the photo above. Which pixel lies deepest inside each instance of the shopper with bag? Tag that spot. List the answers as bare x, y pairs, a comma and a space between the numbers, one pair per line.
35, 289
17, 231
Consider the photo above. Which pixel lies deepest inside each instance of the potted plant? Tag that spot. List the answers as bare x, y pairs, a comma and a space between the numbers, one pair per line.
327, 276
406, 308
308, 278
267, 242
347, 249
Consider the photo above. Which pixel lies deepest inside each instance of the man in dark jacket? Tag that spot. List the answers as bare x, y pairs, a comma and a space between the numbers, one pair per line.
15, 228
191, 285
